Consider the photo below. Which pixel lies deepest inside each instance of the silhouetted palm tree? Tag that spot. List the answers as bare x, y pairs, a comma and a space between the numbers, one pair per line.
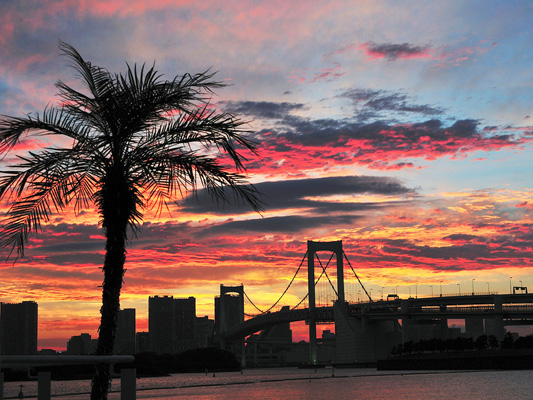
137, 142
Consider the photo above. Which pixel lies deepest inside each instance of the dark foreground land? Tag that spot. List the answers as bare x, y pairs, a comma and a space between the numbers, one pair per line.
146, 364
487, 359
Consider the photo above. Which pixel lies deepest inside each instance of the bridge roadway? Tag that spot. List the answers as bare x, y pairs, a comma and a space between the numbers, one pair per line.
516, 309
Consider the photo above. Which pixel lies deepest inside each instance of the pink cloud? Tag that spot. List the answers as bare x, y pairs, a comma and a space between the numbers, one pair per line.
322, 74
525, 204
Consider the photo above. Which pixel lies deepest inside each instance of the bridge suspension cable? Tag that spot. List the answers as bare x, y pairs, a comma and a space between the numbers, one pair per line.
307, 295
324, 272
283, 294
316, 283
359, 280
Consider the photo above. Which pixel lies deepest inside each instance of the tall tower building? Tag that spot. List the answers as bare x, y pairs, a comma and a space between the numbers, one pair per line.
185, 323
18, 328
125, 336
171, 324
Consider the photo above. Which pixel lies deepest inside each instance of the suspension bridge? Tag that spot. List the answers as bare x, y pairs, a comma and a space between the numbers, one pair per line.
365, 330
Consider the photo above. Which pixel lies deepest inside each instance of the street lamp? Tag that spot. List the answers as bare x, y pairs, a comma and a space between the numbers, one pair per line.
416, 291
383, 287
431, 286
510, 285
459, 285
440, 288
473, 291
488, 288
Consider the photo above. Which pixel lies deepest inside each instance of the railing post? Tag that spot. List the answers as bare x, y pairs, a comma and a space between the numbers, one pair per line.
43, 385
128, 385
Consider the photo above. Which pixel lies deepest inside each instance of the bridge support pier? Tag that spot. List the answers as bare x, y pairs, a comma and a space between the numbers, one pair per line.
406, 321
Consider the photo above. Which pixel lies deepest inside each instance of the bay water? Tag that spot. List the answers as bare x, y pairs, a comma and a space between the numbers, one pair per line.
303, 384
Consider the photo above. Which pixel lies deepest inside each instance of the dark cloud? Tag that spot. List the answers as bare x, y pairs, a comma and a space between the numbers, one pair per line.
392, 51
371, 103
286, 224
294, 143
261, 109
463, 237
480, 252
296, 193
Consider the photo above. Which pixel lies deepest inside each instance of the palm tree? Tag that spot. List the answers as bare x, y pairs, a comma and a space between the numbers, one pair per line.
138, 142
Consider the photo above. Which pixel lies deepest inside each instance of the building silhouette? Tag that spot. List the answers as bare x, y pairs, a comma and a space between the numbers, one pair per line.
270, 346
125, 335
142, 342
171, 324
185, 324
18, 328
81, 345
204, 329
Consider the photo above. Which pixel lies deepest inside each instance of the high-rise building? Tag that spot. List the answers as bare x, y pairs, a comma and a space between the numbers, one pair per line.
18, 328
125, 335
171, 324
142, 342
185, 323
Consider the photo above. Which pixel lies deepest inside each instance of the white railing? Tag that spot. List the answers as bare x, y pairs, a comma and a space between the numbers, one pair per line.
127, 376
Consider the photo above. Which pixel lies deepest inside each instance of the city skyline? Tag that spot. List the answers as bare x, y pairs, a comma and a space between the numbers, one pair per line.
403, 130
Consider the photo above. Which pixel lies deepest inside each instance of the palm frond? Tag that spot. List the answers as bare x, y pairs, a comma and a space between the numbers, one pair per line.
98, 80
40, 183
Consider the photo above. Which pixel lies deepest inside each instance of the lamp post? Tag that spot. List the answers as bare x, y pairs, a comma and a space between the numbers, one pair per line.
383, 287
459, 285
431, 286
488, 288
416, 291
510, 285
440, 288
473, 291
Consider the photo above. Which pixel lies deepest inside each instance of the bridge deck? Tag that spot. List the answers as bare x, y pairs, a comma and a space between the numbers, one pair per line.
514, 307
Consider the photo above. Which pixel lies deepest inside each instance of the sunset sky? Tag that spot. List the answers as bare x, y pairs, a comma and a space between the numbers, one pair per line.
404, 129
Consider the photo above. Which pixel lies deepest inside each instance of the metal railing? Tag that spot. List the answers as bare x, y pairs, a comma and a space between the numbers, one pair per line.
127, 376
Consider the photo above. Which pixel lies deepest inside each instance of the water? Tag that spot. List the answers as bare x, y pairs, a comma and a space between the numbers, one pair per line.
302, 384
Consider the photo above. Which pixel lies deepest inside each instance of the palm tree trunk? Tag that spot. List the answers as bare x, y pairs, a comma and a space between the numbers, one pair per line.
113, 273
116, 208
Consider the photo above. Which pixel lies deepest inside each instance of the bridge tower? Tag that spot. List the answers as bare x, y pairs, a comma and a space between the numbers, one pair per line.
229, 311
312, 248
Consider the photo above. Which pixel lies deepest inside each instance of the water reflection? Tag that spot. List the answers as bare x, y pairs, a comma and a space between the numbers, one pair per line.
292, 383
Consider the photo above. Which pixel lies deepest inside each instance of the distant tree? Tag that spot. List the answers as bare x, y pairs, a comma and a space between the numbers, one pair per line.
524, 342
508, 341
482, 342
493, 342
409, 347
137, 142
